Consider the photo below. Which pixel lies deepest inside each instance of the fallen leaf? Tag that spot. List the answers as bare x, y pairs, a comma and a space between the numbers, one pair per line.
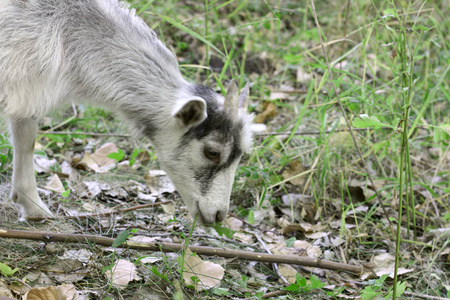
122, 273
55, 185
269, 111
302, 76
43, 164
61, 292
150, 260
316, 235
293, 169
208, 273
390, 270
169, 208
234, 223
159, 182
93, 188
4, 290
311, 250
88, 162
142, 239
81, 255
287, 272
100, 155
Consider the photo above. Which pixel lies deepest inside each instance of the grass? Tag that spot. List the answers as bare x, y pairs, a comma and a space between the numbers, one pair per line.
387, 60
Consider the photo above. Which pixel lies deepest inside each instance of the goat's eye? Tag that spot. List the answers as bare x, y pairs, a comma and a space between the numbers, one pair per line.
212, 154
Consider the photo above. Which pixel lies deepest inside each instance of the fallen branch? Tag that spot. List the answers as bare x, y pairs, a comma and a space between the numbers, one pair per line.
97, 215
172, 247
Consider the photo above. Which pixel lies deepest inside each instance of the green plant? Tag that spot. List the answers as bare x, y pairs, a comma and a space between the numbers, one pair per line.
5, 153
302, 285
6, 270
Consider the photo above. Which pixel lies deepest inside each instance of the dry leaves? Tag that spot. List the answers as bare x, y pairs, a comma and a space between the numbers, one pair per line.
206, 274
122, 273
99, 161
62, 292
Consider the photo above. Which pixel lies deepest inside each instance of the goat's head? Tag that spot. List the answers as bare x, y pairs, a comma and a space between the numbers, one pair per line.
202, 157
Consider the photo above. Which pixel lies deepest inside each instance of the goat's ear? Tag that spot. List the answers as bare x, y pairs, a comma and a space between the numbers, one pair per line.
244, 97
231, 103
190, 112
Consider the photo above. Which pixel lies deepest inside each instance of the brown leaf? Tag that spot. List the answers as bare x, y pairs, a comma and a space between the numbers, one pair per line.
55, 185
269, 111
287, 272
159, 182
122, 273
62, 292
208, 273
234, 223
291, 170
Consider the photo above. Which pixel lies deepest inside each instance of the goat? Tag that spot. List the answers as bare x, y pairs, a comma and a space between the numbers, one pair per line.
56, 52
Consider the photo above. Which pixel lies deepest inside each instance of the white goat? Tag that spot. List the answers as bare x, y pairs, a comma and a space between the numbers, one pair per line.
54, 52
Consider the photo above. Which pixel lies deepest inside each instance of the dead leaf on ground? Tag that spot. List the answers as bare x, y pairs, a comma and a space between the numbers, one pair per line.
284, 92
100, 156
208, 273
88, 162
159, 182
360, 191
234, 223
287, 272
61, 292
385, 264
302, 76
55, 185
269, 111
293, 169
122, 273
4, 290
43, 164
304, 227
81, 255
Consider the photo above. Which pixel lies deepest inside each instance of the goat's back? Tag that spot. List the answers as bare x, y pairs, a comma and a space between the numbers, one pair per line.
52, 51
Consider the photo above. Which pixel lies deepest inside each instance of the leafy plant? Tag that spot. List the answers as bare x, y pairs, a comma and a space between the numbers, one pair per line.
6, 270
117, 156
5, 152
302, 285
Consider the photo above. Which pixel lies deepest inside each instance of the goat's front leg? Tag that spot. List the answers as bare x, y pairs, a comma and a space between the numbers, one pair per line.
24, 190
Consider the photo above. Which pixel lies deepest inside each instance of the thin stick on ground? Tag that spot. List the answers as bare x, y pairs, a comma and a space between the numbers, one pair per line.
274, 265
172, 247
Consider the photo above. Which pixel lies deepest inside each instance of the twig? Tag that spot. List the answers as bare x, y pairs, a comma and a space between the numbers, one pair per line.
172, 247
271, 295
274, 265
422, 296
98, 215
313, 132
343, 112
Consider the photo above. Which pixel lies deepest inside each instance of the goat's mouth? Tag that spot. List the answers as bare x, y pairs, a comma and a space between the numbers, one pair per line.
201, 219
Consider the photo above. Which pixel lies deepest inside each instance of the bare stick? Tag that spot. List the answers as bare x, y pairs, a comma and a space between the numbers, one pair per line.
97, 215
274, 265
172, 247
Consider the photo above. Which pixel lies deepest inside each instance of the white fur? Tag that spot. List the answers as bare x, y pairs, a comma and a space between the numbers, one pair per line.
54, 52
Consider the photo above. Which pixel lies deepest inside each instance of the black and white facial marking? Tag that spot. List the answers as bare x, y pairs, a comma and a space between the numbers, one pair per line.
219, 141
204, 159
